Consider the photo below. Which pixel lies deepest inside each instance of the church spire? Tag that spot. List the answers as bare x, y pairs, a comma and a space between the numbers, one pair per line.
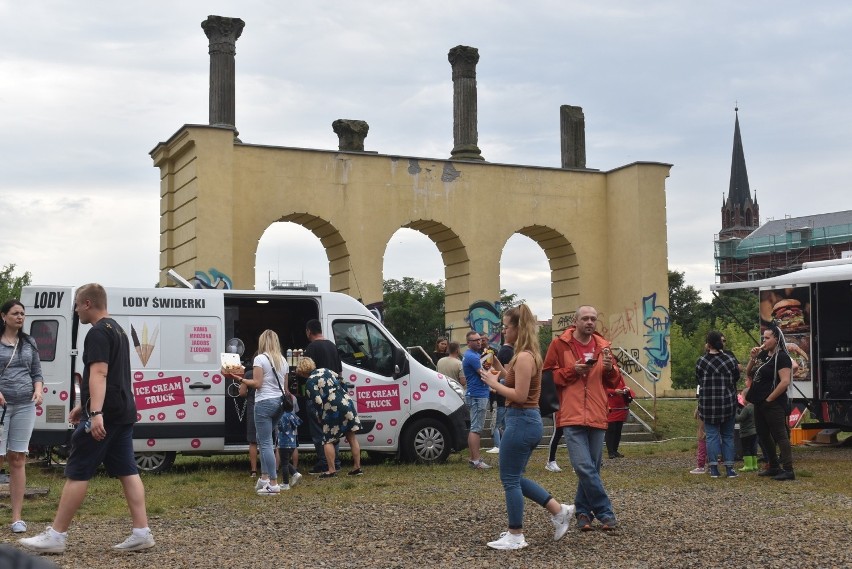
739, 193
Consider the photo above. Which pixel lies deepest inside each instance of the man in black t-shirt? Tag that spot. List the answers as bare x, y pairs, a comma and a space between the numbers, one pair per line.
325, 355
105, 416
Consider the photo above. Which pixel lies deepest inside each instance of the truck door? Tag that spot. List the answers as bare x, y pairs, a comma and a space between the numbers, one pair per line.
49, 318
382, 399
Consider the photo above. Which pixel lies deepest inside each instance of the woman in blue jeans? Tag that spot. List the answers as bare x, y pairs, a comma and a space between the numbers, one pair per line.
268, 380
718, 372
523, 432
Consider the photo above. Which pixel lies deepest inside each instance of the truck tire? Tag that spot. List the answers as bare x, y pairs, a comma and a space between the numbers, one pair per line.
426, 441
154, 462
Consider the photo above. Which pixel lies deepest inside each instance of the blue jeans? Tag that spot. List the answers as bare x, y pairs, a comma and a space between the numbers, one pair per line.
265, 421
720, 440
585, 446
522, 435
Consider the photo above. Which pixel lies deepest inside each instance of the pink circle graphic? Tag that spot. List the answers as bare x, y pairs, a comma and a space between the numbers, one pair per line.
161, 374
370, 438
195, 403
195, 443
405, 383
207, 374
63, 395
151, 442
415, 396
180, 414
367, 380
138, 376
161, 416
151, 417
353, 377
138, 417
379, 426
405, 401
44, 390
440, 376
186, 380
441, 393
39, 411
424, 387
211, 410
390, 441
207, 400
217, 379
393, 422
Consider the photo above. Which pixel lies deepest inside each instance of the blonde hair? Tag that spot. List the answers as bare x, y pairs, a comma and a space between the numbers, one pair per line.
525, 321
305, 367
269, 344
94, 293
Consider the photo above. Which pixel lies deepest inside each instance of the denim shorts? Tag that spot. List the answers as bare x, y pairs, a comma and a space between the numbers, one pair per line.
477, 407
17, 427
115, 452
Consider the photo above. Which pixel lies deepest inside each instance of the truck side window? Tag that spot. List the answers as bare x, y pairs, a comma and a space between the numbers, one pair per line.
362, 345
44, 332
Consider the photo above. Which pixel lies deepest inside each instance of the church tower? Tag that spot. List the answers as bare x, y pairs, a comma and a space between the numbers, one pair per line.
740, 212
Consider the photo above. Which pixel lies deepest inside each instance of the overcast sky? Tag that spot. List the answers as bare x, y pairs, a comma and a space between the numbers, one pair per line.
87, 89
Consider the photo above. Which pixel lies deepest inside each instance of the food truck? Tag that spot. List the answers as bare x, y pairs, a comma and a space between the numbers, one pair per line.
813, 308
186, 405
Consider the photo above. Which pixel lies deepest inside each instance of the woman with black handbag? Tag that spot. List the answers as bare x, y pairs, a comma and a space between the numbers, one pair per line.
270, 367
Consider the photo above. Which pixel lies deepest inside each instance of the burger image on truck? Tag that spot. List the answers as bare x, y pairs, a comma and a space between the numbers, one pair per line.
184, 402
789, 315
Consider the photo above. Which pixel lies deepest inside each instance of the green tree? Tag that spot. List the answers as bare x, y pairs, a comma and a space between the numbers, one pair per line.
414, 311
545, 336
738, 307
10, 285
685, 305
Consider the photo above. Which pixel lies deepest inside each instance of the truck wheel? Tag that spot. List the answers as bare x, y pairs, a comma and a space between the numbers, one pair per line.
427, 441
154, 462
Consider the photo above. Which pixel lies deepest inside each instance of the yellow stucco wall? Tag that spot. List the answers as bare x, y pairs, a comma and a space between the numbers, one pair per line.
604, 233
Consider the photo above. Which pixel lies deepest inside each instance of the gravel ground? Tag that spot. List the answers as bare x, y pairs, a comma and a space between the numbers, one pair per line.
747, 522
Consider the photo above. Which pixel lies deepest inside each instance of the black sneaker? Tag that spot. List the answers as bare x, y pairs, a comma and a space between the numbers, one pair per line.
770, 472
328, 475
317, 469
785, 475
356, 472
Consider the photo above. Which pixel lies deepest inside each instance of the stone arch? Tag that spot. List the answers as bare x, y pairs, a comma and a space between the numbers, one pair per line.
456, 267
564, 267
336, 250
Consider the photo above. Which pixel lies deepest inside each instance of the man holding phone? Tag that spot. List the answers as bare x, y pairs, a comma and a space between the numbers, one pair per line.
583, 367
476, 398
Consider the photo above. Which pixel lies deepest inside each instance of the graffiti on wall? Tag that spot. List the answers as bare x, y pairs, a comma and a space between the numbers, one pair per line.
213, 278
484, 317
657, 324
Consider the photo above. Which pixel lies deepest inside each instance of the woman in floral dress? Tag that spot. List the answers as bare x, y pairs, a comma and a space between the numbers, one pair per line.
336, 413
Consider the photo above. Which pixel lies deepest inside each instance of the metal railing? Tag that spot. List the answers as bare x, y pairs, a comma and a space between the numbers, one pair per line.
652, 415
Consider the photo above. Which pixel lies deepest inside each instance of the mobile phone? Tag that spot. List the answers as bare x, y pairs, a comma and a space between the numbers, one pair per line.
591, 362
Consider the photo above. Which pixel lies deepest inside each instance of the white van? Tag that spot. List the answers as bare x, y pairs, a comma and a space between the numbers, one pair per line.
184, 404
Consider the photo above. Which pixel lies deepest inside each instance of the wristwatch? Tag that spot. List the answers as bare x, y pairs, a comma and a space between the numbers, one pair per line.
95, 413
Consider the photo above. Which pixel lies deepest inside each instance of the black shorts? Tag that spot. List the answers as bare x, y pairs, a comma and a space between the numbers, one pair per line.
115, 452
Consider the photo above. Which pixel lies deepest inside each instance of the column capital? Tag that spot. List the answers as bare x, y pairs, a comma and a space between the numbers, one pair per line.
463, 59
351, 134
223, 34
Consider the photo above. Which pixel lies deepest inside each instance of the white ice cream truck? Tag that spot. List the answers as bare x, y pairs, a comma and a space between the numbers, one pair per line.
185, 405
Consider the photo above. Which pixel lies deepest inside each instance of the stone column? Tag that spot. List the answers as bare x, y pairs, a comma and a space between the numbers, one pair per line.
223, 34
573, 134
350, 134
465, 135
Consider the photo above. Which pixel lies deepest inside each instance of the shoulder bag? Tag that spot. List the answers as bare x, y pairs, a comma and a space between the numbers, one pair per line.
548, 399
286, 399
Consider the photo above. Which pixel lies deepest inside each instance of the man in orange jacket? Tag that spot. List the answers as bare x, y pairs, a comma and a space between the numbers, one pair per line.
583, 367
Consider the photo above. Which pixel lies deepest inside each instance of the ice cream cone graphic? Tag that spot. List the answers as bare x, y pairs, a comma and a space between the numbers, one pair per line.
145, 347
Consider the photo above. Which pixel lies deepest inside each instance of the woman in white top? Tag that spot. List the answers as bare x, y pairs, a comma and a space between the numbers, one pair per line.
267, 406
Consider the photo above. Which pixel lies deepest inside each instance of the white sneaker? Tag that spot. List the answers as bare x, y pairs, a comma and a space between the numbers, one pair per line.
509, 541
562, 521
260, 483
136, 542
493, 450
552, 466
285, 487
295, 479
269, 490
48, 541
480, 465
698, 470
19, 527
